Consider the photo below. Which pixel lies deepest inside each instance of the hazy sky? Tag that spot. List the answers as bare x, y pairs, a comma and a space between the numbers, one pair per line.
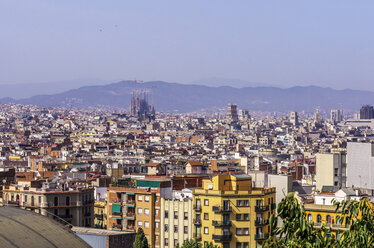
319, 42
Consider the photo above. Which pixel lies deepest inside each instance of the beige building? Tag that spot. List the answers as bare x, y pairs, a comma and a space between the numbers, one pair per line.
330, 169
74, 206
176, 218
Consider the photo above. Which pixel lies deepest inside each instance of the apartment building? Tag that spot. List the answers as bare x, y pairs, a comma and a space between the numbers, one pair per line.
74, 205
331, 169
176, 218
229, 212
134, 206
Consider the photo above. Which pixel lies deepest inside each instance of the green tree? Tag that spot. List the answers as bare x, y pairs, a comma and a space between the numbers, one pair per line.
140, 239
360, 217
297, 232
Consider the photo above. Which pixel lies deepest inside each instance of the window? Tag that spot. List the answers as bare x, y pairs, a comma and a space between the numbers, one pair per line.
310, 218
157, 225
140, 210
175, 229
25, 198
157, 198
175, 214
246, 203
245, 245
40, 199
245, 216
206, 202
140, 198
185, 229
319, 218
206, 216
206, 230
140, 224
166, 227
156, 212
146, 224
328, 219
146, 198
67, 201
238, 245
186, 215
175, 241
239, 203
166, 214
146, 211
238, 217
166, 242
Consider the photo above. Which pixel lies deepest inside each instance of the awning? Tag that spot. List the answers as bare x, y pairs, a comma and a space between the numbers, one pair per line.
116, 208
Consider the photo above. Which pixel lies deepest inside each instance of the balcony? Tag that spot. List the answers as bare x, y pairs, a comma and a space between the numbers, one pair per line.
130, 202
117, 201
261, 222
116, 226
128, 227
224, 237
116, 214
221, 223
197, 207
261, 236
197, 221
66, 216
218, 209
261, 208
197, 236
13, 202
273, 206
99, 216
129, 215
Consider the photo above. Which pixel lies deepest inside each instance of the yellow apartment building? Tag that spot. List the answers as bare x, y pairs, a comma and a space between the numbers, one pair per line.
229, 212
100, 211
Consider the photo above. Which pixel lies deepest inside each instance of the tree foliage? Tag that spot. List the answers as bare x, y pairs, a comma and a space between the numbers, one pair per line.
140, 239
297, 232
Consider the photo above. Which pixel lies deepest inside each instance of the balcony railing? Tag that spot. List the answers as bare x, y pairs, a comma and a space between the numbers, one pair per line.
13, 202
224, 237
261, 236
117, 226
116, 214
197, 207
218, 209
130, 214
261, 208
196, 236
261, 222
197, 221
221, 223
130, 227
130, 202
66, 216
99, 216
116, 201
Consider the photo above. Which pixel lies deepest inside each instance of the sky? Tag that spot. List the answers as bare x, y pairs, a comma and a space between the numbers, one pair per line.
283, 43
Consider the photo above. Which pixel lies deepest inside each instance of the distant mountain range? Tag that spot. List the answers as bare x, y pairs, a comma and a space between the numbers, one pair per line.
174, 97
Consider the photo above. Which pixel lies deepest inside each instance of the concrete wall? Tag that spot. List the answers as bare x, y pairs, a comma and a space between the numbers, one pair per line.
360, 165
325, 164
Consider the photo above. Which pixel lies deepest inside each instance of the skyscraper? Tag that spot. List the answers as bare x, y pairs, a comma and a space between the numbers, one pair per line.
294, 118
232, 113
367, 112
336, 115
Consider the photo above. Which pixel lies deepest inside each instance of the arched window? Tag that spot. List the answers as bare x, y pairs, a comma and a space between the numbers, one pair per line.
328, 219
56, 201
310, 218
67, 201
319, 218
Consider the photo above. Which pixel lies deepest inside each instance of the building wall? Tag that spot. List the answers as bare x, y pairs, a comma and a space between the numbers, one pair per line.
325, 164
242, 200
360, 165
182, 209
